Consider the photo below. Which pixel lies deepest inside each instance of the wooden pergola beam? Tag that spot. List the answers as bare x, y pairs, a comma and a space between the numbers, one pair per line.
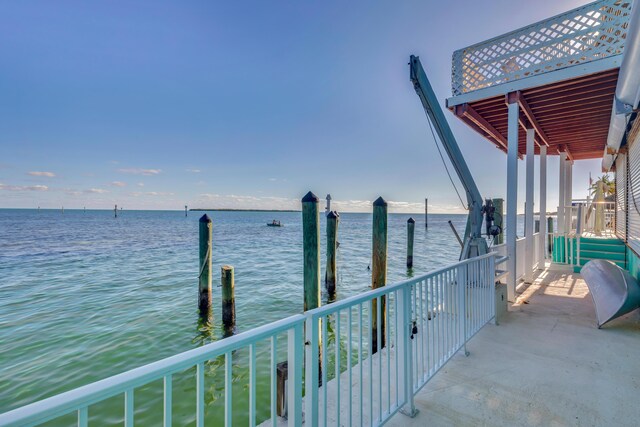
565, 148
531, 118
466, 111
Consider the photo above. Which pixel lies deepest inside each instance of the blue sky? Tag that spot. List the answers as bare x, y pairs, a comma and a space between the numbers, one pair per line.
154, 105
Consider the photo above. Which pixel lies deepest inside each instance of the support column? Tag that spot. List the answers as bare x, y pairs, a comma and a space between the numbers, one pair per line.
561, 189
528, 212
568, 193
543, 207
512, 196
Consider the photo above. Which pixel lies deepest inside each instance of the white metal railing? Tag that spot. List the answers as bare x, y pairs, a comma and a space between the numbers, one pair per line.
521, 245
428, 319
584, 218
81, 399
587, 33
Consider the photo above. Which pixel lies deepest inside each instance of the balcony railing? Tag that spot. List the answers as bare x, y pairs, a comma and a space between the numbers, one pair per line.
595, 31
428, 319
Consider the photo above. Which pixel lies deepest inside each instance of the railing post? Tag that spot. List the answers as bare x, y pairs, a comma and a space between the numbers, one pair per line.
492, 286
462, 306
579, 222
311, 371
295, 356
405, 353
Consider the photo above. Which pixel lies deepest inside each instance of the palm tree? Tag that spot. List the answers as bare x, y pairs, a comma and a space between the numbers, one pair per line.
608, 186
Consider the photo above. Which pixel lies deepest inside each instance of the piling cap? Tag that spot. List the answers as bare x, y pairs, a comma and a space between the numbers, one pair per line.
411, 221
332, 214
380, 202
205, 218
310, 197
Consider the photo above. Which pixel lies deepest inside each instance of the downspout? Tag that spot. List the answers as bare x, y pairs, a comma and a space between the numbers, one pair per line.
627, 90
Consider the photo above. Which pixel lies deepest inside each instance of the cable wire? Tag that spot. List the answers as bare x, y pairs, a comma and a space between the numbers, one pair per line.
435, 140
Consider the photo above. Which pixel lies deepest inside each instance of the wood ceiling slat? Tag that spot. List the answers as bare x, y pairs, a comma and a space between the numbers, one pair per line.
574, 113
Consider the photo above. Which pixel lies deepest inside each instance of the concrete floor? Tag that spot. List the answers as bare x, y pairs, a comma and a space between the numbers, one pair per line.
545, 365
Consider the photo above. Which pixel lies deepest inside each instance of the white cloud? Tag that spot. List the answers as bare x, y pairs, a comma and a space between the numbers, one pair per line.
119, 184
234, 201
23, 187
95, 191
39, 173
192, 170
272, 179
141, 184
140, 171
150, 193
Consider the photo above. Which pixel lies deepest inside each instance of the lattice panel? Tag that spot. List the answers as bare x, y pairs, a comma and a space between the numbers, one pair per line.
594, 31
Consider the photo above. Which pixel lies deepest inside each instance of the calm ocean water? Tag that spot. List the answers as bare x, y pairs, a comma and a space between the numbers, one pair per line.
84, 296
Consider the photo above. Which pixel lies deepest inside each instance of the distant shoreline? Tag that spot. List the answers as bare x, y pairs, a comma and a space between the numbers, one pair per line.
243, 210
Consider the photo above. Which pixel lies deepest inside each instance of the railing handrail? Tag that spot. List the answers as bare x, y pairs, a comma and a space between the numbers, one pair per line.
526, 28
554, 43
91, 393
384, 290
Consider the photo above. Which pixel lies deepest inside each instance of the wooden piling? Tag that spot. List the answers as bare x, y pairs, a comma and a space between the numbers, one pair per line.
311, 250
332, 244
498, 215
311, 257
411, 225
228, 298
115, 211
282, 375
204, 278
426, 213
379, 269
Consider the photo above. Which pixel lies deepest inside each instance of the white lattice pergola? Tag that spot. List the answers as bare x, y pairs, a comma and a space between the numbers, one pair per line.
588, 33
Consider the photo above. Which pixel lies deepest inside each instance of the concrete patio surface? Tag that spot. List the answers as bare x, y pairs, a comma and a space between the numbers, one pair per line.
547, 364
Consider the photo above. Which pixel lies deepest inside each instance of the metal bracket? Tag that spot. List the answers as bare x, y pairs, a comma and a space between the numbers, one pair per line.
621, 107
409, 413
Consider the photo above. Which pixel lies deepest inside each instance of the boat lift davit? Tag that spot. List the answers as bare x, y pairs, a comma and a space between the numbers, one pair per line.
473, 244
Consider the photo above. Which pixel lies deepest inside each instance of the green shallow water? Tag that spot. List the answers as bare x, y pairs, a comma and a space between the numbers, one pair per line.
84, 296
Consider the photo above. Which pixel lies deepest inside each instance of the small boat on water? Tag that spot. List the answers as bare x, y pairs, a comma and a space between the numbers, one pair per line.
274, 223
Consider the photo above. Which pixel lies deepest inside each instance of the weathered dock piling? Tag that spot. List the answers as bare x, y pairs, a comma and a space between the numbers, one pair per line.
498, 214
379, 270
204, 278
332, 244
426, 213
228, 299
311, 250
411, 225
282, 375
311, 280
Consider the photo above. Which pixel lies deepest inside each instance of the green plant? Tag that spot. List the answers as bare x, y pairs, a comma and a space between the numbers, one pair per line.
608, 186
